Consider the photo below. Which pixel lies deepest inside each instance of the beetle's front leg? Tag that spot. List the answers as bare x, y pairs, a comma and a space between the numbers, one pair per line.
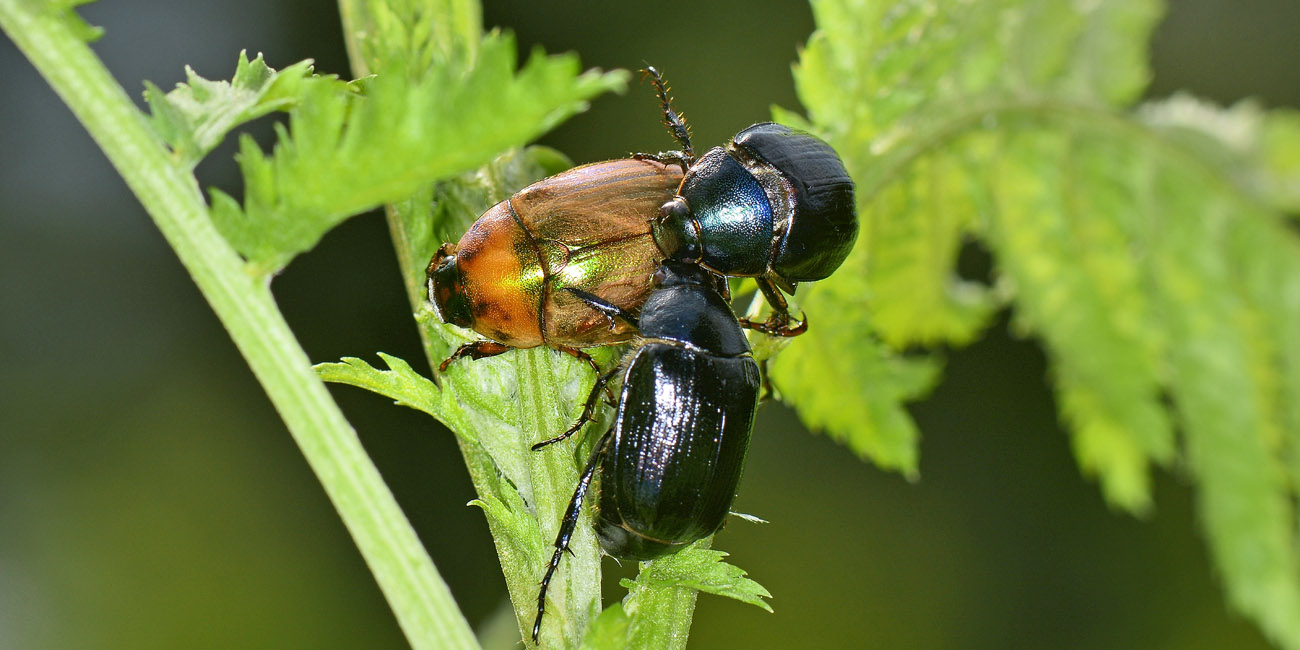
607, 309
475, 350
679, 158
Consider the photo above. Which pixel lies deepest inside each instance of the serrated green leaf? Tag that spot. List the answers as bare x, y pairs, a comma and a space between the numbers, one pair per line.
424, 32
665, 589
1281, 157
511, 402
1060, 244
343, 153
400, 382
845, 383
499, 463
609, 631
497, 408
513, 525
702, 569
1256, 151
1266, 262
915, 292
877, 67
196, 115
1224, 384
518, 538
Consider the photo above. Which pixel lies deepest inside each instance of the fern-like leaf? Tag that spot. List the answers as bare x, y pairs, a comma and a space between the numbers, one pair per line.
662, 590
196, 115
844, 382
702, 569
1146, 246
400, 382
346, 152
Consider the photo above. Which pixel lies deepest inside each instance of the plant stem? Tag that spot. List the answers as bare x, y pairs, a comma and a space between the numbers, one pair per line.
419, 598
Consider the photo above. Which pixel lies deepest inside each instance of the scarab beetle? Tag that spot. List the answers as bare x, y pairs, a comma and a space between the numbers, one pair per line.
669, 466
774, 204
585, 229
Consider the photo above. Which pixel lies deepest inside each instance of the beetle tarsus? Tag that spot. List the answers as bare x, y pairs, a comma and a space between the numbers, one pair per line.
550, 441
778, 325
475, 350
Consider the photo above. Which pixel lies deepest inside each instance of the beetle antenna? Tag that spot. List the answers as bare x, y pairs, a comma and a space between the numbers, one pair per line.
675, 121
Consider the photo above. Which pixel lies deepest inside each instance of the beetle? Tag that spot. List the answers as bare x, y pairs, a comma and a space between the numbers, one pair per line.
774, 204
669, 465
586, 229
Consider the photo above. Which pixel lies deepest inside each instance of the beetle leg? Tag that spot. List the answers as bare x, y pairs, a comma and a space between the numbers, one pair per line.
475, 350
721, 285
567, 526
768, 391
779, 323
679, 158
773, 295
579, 354
608, 309
587, 410
676, 123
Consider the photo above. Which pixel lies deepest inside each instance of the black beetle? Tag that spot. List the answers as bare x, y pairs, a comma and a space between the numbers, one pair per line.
775, 204
670, 464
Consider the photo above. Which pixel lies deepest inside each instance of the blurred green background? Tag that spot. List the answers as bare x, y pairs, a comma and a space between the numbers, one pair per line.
151, 498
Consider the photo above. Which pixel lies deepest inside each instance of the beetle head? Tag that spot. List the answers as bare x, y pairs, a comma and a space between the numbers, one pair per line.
446, 291
676, 232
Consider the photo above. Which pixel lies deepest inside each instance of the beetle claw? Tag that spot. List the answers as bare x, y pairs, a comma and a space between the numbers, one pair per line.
778, 325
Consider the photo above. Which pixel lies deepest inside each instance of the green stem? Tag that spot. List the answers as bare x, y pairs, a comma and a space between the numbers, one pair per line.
420, 599
521, 581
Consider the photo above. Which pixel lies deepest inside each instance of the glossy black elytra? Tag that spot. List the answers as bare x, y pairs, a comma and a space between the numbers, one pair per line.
669, 466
